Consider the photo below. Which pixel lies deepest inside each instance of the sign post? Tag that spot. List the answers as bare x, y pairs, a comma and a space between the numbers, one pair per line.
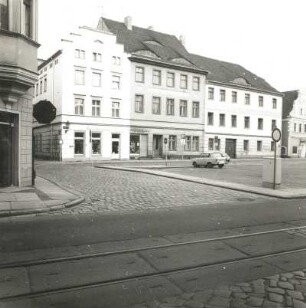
166, 146
276, 136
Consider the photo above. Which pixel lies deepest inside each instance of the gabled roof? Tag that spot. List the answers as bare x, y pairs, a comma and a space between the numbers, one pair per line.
230, 73
165, 46
288, 100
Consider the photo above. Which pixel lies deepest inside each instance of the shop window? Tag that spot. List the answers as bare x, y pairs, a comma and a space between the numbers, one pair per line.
172, 143
187, 146
3, 15
79, 143
96, 143
134, 144
294, 150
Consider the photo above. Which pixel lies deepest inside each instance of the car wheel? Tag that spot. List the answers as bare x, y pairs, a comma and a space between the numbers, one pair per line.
195, 165
209, 165
220, 166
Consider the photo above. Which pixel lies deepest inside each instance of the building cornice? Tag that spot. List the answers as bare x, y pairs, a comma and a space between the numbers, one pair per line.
19, 36
157, 62
239, 86
46, 62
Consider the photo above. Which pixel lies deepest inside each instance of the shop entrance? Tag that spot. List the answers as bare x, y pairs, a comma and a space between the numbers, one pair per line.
115, 146
230, 147
157, 145
8, 150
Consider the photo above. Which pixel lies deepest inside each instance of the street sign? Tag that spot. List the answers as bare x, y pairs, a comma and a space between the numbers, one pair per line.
44, 112
165, 140
276, 134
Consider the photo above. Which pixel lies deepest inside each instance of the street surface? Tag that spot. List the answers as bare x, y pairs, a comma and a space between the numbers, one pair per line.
140, 240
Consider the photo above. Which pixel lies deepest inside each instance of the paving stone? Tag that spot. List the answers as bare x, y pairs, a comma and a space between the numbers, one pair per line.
194, 304
287, 275
174, 301
241, 295
238, 303
202, 296
301, 288
269, 304
289, 301
273, 283
298, 304
247, 289
277, 298
259, 290
295, 294
187, 296
285, 285
276, 290
219, 302
255, 301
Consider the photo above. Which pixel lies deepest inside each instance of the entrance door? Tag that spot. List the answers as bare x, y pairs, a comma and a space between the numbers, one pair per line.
157, 146
6, 171
115, 146
230, 147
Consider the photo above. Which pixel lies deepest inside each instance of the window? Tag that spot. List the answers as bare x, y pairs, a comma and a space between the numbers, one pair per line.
95, 143
172, 143
134, 144
304, 128
139, 103
234, 121
96, 108
222, 119
170, 106
156, 105
295, 125
3, 15
274, 103
273, 124
260, 123
195, 143
259, 146
115, 109
116, 82
79, 106
211, 93
260, 101
187, 146
222, 95
156, 77
246, 122
300, 127
234, 97
40, 87
210, 144
79, 143
217, 144
247, 99
96, 57
116, 60
210, 118
27, 17
183, 81
195, 109
183, 108
301, 111
139, 74
170, 79
79, 77
196, 83
45, 84
96, 79
79, 54
272, 145
246, 145
294, 150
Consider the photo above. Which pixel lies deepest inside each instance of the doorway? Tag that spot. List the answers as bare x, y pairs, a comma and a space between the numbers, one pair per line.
8, 150
230, 147
157, 146
115, 146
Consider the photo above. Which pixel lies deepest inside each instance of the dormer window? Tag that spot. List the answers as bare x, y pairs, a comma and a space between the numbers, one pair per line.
3, 15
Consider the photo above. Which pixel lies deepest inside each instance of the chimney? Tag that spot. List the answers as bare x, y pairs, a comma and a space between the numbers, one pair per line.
128, 22
183, 40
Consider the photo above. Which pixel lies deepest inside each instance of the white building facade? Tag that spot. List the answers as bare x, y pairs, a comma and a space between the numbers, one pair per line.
241, 110
294, 124
88, 82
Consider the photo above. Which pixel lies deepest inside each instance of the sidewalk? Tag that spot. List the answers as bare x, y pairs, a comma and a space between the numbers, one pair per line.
43, 197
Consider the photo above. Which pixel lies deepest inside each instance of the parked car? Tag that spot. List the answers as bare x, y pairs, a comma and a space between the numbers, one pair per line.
209, 159
226, 156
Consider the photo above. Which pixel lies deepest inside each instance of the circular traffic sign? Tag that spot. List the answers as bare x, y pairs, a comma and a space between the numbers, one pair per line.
276, 134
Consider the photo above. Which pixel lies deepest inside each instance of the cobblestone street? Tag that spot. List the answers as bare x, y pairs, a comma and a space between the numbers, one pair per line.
114, 190
278, 291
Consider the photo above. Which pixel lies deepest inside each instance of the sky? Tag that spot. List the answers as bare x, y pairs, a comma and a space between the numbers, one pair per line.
266, 37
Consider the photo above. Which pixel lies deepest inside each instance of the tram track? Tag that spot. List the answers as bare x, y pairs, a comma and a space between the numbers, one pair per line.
166, 272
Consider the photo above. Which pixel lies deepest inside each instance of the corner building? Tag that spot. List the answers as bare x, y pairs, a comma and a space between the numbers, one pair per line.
18, 74
166, 92
241, 110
